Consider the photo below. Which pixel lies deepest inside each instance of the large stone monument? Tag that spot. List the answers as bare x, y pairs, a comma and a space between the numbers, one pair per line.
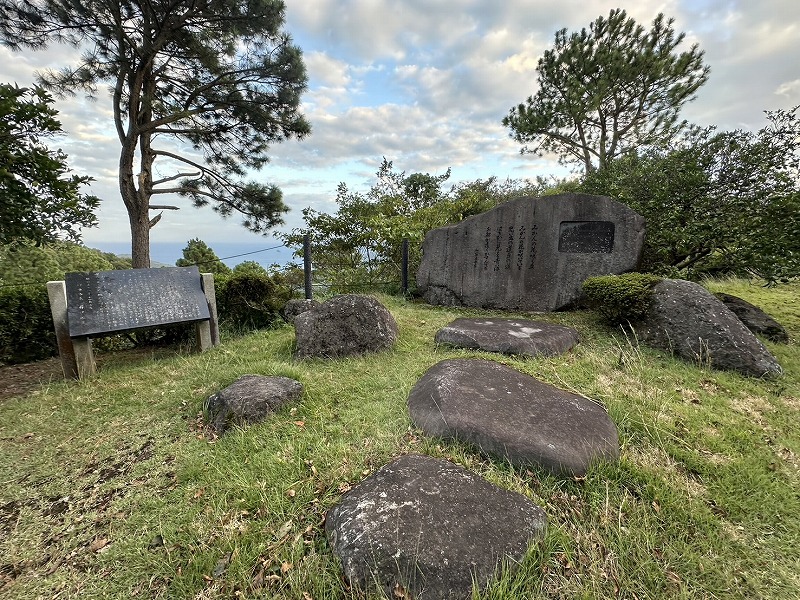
530, 254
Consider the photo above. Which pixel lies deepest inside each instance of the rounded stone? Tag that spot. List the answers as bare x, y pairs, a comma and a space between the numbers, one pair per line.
346, 325
690, 321
425, 528
513, 416
297, 306
250, 399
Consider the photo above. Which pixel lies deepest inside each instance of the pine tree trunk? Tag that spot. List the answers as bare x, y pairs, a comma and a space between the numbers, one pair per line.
140, 239
137, 207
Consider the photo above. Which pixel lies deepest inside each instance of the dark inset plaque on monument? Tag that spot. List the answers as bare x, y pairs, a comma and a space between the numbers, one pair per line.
589, 237
112, 301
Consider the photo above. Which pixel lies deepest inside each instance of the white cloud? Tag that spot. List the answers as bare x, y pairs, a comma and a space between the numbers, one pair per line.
426, 83
789, 89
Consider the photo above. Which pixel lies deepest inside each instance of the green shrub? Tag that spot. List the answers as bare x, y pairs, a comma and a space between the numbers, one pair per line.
620, 298
26, 325
250, 300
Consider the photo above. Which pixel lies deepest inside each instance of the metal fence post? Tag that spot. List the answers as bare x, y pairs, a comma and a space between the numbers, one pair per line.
307, 265
404, 267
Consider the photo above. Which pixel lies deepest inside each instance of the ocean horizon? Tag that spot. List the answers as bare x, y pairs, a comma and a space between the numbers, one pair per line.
266, 253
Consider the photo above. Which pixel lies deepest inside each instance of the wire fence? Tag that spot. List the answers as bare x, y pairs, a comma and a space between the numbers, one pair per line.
309, 283
309, 273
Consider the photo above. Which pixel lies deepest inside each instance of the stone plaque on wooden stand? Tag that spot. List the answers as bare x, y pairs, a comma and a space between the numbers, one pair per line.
96, 304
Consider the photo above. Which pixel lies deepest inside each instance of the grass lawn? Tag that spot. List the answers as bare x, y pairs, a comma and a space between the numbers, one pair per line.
111, 487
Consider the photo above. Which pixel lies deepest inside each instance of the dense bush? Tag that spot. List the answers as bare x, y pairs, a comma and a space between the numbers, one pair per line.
716, 202
26, 325
620, 298
250, 300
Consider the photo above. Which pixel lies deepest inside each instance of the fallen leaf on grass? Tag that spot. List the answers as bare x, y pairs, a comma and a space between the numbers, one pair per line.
98, 544
286, 567
284, 530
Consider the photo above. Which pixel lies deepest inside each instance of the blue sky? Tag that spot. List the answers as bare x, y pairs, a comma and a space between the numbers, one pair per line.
426, 83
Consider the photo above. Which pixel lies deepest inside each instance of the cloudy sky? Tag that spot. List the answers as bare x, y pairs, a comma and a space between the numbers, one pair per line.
426, 83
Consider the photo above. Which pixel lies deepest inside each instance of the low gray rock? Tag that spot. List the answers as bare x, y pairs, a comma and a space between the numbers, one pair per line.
755, 319
512, 415
425, 528
509, 336
297, 306
688, 320
346, 325
250, 399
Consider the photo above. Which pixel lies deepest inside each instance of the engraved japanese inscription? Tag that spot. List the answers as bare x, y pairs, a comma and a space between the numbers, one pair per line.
529, 253
110, 301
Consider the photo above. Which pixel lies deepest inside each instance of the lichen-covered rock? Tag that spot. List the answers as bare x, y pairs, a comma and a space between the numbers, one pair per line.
509, 336
425, 528
297, 306
688, 320
250, 399
513, 416
345, 325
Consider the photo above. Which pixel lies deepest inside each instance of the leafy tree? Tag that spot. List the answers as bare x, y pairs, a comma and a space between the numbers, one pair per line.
249, 267
608, 90
202, 86
716, 201
41, 201
197, 252
23, 264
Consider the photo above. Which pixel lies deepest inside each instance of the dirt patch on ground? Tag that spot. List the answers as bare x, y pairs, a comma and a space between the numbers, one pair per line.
20, 380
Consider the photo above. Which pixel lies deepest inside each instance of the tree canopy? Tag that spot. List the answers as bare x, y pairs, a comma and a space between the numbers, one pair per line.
716, 202
202, 86
608, 90
197, 252
25, 264
41, 200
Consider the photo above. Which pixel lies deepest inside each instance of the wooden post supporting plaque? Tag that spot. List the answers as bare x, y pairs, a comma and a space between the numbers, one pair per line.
57, 292
211, 298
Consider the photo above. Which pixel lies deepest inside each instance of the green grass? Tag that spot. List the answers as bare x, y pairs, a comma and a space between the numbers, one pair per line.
111, 488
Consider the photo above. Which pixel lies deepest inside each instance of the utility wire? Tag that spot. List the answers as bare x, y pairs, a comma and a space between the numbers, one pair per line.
32, 283
205, 262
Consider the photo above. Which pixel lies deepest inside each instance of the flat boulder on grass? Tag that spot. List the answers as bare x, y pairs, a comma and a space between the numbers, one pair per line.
250, 399
509, 336
425, 528
690, 321
755, 319
345, 325
513, 416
